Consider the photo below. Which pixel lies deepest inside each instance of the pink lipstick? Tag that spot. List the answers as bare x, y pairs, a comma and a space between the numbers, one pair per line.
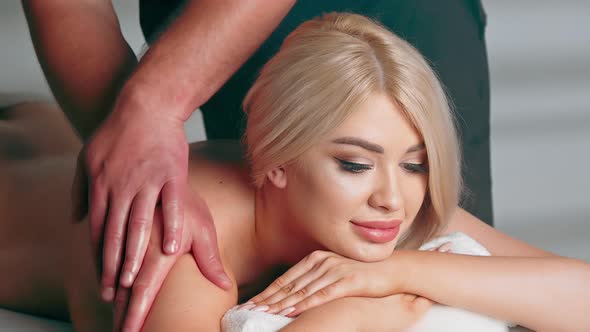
377, 231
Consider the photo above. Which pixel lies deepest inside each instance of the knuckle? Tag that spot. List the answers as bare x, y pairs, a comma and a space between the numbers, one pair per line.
287, 289
332, 261
113, 239
303, 292
317, 255
172, 206
139, 224
280, 282
277, 306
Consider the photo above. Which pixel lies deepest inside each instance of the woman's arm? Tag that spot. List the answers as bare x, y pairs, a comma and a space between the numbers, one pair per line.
496, 242
390, 313
540, 293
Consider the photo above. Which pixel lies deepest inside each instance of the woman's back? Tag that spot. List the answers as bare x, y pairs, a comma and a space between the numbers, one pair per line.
35, 195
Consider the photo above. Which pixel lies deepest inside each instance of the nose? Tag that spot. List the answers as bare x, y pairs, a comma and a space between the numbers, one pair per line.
387, 195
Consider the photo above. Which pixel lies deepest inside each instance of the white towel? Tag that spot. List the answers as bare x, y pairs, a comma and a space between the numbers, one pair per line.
437, 318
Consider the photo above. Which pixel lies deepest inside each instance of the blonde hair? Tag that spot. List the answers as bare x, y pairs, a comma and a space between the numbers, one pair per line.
323, 71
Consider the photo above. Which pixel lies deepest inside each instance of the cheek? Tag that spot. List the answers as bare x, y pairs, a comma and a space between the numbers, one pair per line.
414, 191
327, 195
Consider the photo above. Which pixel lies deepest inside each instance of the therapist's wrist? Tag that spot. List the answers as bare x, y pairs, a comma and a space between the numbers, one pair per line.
139, 100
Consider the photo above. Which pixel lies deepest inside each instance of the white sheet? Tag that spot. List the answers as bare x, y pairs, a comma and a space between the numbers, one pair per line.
11, 321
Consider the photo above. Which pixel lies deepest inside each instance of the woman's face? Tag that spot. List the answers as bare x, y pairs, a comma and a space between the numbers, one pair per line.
349, 192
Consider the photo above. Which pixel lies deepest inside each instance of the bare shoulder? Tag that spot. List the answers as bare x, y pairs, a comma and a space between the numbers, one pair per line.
498, 243
188, 301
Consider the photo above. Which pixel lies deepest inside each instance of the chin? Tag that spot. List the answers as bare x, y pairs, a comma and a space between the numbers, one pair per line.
370, 252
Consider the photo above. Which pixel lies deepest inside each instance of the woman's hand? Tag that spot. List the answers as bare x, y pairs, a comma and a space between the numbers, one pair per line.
324, 276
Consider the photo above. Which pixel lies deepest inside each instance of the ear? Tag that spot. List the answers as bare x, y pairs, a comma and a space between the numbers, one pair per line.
278, 177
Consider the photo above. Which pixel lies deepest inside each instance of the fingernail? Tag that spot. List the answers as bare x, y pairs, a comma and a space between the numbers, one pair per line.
445, 247
286, 311
108, 294
226, 281
261, 308
246, 306
127, 278
171, 247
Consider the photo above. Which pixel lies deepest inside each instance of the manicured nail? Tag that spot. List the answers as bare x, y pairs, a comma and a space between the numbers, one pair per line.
171, 247
445, 247
247, 306
127, 278
108, 294
286, 311
261, 308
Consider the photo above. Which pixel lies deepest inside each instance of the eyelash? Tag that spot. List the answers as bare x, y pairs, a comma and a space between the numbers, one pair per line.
357, 168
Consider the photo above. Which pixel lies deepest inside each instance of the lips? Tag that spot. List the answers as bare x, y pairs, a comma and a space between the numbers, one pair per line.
377, 231
378, 224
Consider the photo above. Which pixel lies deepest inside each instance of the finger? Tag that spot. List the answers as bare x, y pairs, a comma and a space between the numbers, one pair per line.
205, 248
295, 286
288, 277
98, 211
114, 241
138, 234
324, 295
172, 205
312, 288
79, 191
120, 307
146, 287
445, 247
206, 253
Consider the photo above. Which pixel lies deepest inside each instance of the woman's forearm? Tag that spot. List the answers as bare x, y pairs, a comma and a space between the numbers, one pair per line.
83, 54
345, 314
544, 294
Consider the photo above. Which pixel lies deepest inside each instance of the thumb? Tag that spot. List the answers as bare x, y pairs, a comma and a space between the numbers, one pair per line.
79, 190
206, 254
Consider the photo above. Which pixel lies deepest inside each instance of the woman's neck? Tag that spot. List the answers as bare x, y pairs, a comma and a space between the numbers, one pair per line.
276, 237
269, 241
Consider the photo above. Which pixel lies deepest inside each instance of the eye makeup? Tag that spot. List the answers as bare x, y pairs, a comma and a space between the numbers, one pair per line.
353, 167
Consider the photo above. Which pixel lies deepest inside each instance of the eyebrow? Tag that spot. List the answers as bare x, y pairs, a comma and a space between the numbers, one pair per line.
372, 146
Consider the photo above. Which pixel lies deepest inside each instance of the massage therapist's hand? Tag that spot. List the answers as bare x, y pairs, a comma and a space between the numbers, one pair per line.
325, 276
136, 158
133, 304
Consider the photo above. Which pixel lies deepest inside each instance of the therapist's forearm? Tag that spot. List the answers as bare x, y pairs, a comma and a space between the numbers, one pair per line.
83, 54
200, 51
543, 294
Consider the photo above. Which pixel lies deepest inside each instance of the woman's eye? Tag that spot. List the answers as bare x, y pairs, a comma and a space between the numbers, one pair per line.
415, 168
349, 166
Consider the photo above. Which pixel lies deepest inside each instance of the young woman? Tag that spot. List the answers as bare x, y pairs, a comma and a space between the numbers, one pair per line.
350, 162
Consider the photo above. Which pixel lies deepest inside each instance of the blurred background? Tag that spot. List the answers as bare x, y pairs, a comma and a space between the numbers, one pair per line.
540, 79
540, 97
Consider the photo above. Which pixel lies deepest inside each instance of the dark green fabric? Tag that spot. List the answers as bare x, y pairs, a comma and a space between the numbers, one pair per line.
449, 33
